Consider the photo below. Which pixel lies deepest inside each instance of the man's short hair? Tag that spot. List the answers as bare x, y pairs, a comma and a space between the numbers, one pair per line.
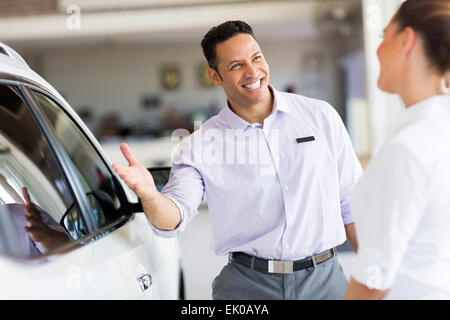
219, 34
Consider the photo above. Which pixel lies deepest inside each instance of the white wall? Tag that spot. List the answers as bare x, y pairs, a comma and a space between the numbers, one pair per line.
382, 106
357, 106
115, 80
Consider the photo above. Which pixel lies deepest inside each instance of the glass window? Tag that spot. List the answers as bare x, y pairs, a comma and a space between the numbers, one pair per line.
34, 196
101, 187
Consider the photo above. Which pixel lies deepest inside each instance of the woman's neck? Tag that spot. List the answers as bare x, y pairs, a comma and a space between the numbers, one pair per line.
419, 87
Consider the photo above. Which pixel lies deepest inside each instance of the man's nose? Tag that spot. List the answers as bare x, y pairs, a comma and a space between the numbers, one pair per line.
251, 71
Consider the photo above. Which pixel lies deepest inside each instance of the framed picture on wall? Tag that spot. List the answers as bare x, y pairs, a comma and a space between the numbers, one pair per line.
202, 76
170, 77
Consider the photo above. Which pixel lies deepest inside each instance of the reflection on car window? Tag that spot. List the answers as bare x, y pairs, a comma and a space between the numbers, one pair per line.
100, 186
34, 196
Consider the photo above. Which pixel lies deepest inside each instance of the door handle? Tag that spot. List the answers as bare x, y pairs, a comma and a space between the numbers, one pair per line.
144, 281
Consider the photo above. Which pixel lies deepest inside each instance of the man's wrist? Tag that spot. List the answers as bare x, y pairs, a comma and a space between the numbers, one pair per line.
149, 196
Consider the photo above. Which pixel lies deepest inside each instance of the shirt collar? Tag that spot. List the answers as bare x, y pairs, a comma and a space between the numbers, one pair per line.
279, 101
236, 122
431, 106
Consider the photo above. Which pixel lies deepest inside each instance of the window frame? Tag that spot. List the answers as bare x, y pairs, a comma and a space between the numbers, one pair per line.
25, 88
127, 207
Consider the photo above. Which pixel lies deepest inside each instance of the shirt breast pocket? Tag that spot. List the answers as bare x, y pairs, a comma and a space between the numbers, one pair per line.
308, 153
234, 181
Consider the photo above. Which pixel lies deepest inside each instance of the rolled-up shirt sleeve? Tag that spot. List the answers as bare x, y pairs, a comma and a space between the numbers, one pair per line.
349, 168
185, 188
388, 205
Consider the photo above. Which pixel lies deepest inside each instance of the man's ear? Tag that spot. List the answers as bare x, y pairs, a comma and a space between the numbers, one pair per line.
214, 77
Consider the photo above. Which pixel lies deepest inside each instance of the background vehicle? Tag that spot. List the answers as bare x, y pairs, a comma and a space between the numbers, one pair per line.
108, 250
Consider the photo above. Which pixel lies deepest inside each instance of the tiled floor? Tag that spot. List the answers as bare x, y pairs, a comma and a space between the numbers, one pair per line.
201, 265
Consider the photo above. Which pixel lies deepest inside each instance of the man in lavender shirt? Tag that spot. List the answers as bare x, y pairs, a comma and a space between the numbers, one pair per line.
277, 170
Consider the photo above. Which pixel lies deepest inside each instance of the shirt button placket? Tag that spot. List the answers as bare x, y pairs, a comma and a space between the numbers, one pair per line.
288, 215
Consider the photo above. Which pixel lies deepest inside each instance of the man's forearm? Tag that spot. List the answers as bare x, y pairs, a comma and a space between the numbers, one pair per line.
351, 236
161, 212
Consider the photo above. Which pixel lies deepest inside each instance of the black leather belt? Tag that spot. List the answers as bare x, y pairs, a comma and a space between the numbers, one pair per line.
278, 266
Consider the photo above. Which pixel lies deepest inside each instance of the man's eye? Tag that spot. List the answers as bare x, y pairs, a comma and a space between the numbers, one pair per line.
235, 66
257, 58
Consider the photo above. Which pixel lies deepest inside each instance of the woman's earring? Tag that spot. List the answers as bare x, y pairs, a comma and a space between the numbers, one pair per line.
445, 85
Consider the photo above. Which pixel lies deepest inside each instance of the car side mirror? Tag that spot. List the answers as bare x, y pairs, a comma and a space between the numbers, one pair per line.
161, 177
103, 206
103, 210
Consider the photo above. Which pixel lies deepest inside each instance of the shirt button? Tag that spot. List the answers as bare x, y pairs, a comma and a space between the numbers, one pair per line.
286, 187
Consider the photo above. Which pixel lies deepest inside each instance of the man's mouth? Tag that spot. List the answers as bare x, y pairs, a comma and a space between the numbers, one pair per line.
253, 85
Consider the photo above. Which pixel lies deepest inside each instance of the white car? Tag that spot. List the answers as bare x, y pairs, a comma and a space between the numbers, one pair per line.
68, 230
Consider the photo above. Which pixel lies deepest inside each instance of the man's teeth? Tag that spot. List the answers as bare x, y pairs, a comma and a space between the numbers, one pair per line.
254, 85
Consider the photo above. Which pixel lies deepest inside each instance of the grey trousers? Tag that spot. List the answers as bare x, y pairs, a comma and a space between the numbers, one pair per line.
325, 281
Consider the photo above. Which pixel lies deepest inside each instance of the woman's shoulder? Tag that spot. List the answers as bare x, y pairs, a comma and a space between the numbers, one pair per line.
426, 139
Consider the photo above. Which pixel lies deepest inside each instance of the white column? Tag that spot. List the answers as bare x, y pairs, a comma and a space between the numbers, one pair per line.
382, 106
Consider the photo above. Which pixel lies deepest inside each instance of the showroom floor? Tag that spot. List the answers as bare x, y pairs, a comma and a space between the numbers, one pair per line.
201, 265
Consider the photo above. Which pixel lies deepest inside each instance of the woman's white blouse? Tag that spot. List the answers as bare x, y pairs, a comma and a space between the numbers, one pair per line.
401, 207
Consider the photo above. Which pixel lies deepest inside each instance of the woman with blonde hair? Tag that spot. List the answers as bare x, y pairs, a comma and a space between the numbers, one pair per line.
401, 205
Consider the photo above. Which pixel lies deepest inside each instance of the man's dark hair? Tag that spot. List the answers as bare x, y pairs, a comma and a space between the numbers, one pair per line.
219, 34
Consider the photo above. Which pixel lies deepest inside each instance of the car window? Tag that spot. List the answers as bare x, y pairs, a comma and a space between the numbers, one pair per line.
101, 187
34, 195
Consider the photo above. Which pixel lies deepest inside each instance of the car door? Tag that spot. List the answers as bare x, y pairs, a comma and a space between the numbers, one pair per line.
107, 252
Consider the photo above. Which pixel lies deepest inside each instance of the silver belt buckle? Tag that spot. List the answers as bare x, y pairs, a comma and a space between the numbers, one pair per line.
276, 266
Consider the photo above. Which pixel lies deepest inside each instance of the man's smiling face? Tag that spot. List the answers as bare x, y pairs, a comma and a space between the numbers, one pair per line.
244, 73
